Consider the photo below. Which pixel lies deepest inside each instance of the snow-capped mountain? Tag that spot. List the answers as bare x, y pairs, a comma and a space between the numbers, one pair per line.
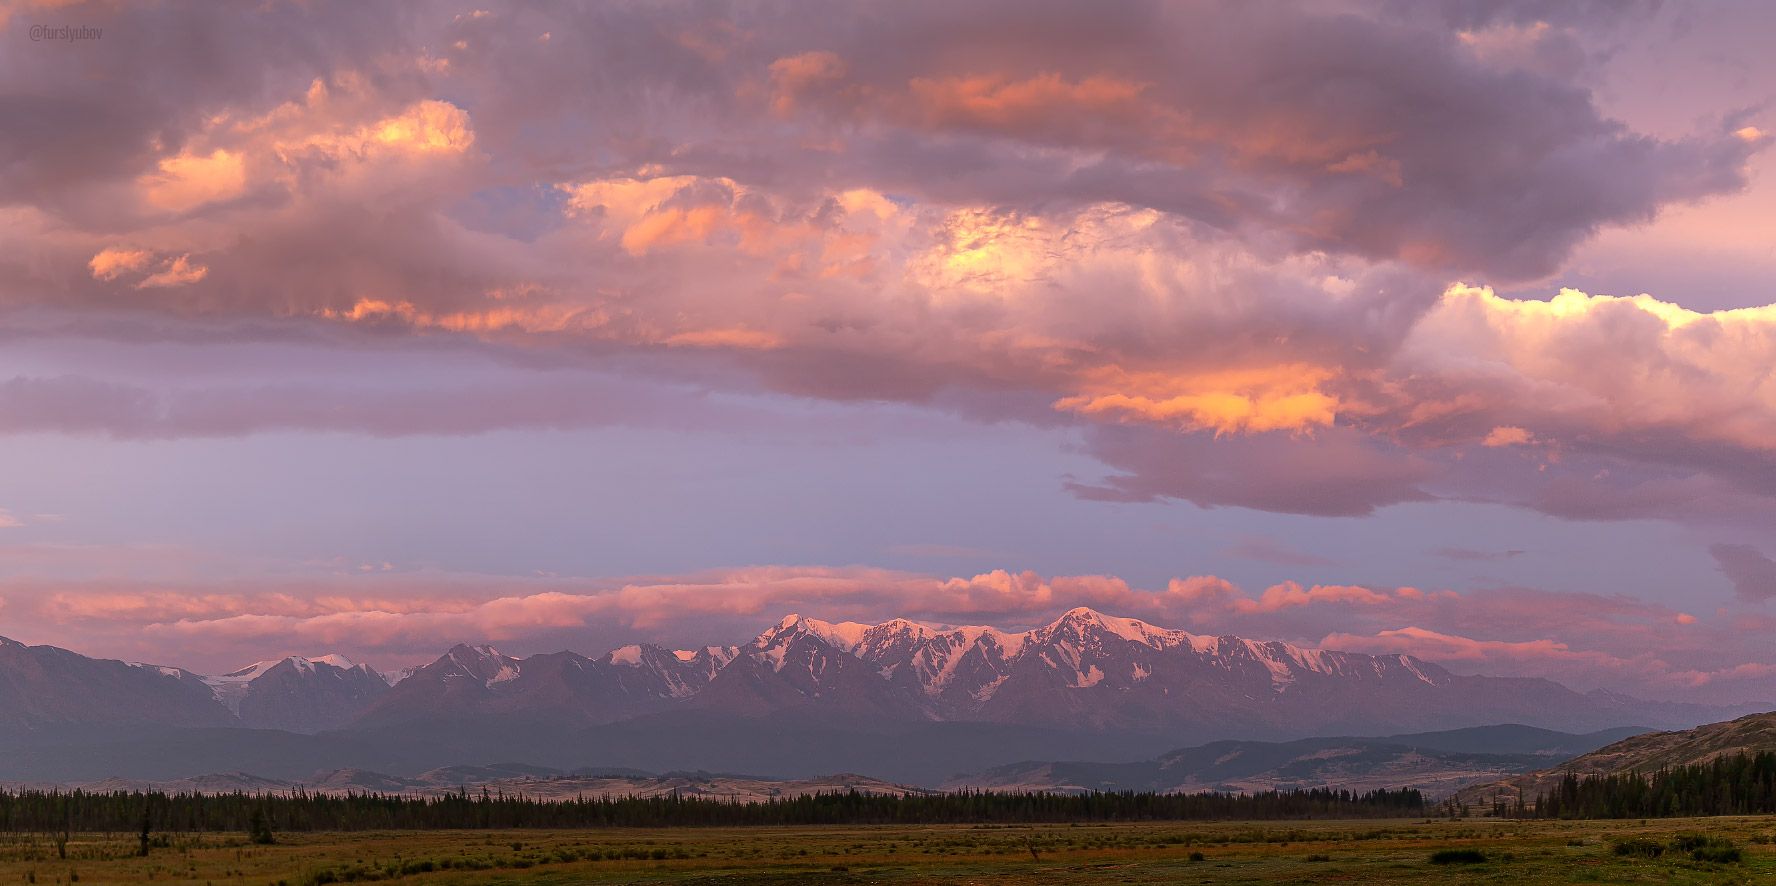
1086, 677
298, 694
561, 686
1103, 672
1085, 671
804, 664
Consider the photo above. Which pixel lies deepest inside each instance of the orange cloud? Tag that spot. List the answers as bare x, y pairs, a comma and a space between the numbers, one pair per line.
425, 127
539, 317
112, 261
795, 75
998, 100
187, 181
1507, 435
178, 271
1283, 397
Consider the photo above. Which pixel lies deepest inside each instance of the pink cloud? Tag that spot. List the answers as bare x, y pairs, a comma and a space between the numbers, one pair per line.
1649, 672
1447, 647
397, 618
1219, 243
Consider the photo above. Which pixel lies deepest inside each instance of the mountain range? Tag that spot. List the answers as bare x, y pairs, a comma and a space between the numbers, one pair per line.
1437, 763
902, 700
1085, 671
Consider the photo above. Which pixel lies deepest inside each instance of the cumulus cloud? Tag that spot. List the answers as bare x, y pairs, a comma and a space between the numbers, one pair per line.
179, 271
111, 262
187, 181
1221, 114
1219, 240
1513, 370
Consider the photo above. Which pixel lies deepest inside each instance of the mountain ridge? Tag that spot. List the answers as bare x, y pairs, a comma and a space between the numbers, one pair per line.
900, 698
1643, 753
1438, 763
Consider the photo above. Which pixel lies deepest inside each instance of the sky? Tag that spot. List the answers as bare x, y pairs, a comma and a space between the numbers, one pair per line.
1436, 328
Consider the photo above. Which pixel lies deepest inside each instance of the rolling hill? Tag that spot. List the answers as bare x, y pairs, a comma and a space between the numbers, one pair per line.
1640, 753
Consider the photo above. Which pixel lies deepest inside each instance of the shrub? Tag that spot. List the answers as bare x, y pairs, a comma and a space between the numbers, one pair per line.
1719, 850
1458, 856
1319, 857
1718, 854
1641, 847
1691, 842
1198, 856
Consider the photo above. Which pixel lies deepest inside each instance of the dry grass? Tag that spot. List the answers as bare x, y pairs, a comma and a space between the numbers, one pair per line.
1277, 852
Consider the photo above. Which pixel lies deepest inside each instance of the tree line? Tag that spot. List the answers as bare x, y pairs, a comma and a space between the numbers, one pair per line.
1734, 784
127, 811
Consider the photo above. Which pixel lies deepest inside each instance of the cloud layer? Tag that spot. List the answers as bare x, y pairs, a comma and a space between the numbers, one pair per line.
404, 618
1300, 261
1202, 233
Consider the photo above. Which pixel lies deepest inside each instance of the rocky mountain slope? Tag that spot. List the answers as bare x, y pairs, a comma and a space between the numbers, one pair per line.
1641, 753
43, 687
299, 694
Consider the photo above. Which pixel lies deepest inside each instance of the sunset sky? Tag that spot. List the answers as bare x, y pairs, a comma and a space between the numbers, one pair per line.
1387, 326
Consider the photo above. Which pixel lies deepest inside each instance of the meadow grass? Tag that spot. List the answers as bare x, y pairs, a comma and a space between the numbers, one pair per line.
1389, 851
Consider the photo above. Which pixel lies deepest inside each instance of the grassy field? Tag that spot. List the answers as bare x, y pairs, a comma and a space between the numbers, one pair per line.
1391, 851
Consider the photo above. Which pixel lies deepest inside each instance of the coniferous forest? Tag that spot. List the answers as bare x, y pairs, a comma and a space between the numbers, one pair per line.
1737, 784
77, 811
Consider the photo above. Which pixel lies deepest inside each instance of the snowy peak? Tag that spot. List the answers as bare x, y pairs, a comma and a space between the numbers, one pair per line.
1083, 669
164, 670
628, 656
300, 664
297, 693
1083, 624
720, 654
482, 663
845, 635
666, 673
